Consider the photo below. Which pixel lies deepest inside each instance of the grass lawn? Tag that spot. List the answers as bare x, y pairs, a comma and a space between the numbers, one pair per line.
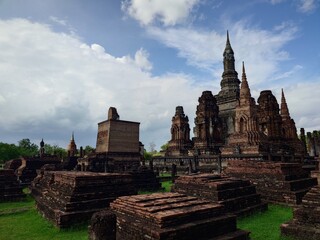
29, 224
266, 225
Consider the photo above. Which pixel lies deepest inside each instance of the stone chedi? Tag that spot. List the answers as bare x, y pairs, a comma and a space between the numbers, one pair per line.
246, 139
208, 128
118, 140
237, 196
173, 216
180, 141
72, 147
227, 98
10, 189
66, 198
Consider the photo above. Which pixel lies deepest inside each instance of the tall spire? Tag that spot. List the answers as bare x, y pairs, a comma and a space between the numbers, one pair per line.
284, 111
245, 94
72, 136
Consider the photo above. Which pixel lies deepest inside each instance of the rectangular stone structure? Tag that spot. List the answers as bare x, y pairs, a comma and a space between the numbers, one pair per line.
173, 216
237, 196
277, 182
10, 189
66, 198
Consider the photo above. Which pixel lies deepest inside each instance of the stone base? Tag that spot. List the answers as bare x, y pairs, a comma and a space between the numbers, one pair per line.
10, 189
237, 196
145, 180
67, 198
173, 216
277, 182
306, 218
300, 232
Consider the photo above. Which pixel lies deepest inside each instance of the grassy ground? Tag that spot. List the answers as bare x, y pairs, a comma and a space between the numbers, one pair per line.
29, 224
266, 225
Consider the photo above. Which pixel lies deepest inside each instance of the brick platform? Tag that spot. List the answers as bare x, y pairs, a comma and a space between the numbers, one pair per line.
277, 182
10, 189
306, 217
237, 196
173, 216
66, 198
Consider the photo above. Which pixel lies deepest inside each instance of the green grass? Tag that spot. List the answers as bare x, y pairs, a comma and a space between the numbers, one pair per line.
31, 225
266, 225
166, 187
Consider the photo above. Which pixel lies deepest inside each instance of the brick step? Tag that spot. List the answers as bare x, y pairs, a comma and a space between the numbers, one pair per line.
237, 235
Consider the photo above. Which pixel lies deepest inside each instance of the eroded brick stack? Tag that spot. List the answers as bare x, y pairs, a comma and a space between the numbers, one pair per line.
283, 183
10, 188
173, 216
306, 217
236, 195
66, 198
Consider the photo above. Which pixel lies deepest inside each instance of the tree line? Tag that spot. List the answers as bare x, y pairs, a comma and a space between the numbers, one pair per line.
26, 148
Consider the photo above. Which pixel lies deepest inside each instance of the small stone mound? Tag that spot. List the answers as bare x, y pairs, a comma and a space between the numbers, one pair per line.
277, 182
173, 216
237, 196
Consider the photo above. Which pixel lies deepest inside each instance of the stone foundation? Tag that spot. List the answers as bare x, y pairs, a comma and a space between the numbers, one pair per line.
66, 198
306, 217
237, 196
277, 182
173, 216
10, 188
145, 180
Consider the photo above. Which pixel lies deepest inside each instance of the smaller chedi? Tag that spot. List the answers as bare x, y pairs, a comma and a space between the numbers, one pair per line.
180, 141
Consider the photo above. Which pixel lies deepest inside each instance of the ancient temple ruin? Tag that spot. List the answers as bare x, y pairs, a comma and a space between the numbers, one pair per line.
10, 188
180, 142
208, 127
173, 216
227, 98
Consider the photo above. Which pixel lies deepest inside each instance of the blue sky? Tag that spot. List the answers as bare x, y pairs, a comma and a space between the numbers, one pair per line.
64, 63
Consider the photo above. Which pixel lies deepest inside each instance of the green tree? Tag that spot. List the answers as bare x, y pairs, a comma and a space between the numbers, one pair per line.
27, 148
164, 147
55, 150
8, 151
88, 149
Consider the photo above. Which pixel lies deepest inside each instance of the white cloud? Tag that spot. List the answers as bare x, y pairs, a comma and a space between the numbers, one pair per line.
168, 12
53, 84
261, 50
306, 6
276, 1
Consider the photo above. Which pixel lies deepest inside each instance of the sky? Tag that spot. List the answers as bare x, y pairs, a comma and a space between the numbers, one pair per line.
64, 63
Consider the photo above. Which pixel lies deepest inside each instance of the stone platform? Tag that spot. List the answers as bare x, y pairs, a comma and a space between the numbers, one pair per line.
10, 189
66, 198
237, 196
145, 179
277, 182
306, 217
173, 216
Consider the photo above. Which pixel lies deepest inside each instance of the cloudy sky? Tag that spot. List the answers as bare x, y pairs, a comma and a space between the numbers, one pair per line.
64, 63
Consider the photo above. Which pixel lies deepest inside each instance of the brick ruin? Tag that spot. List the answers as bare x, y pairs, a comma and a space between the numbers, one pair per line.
232, 123
173, 216
277, 182
10, 188
25, 168
66, 198
118, 147
237, 196
306, 222
208, 128
180, 142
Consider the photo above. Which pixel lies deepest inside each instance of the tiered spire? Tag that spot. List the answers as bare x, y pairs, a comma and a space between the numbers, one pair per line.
230, 81
245, 95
